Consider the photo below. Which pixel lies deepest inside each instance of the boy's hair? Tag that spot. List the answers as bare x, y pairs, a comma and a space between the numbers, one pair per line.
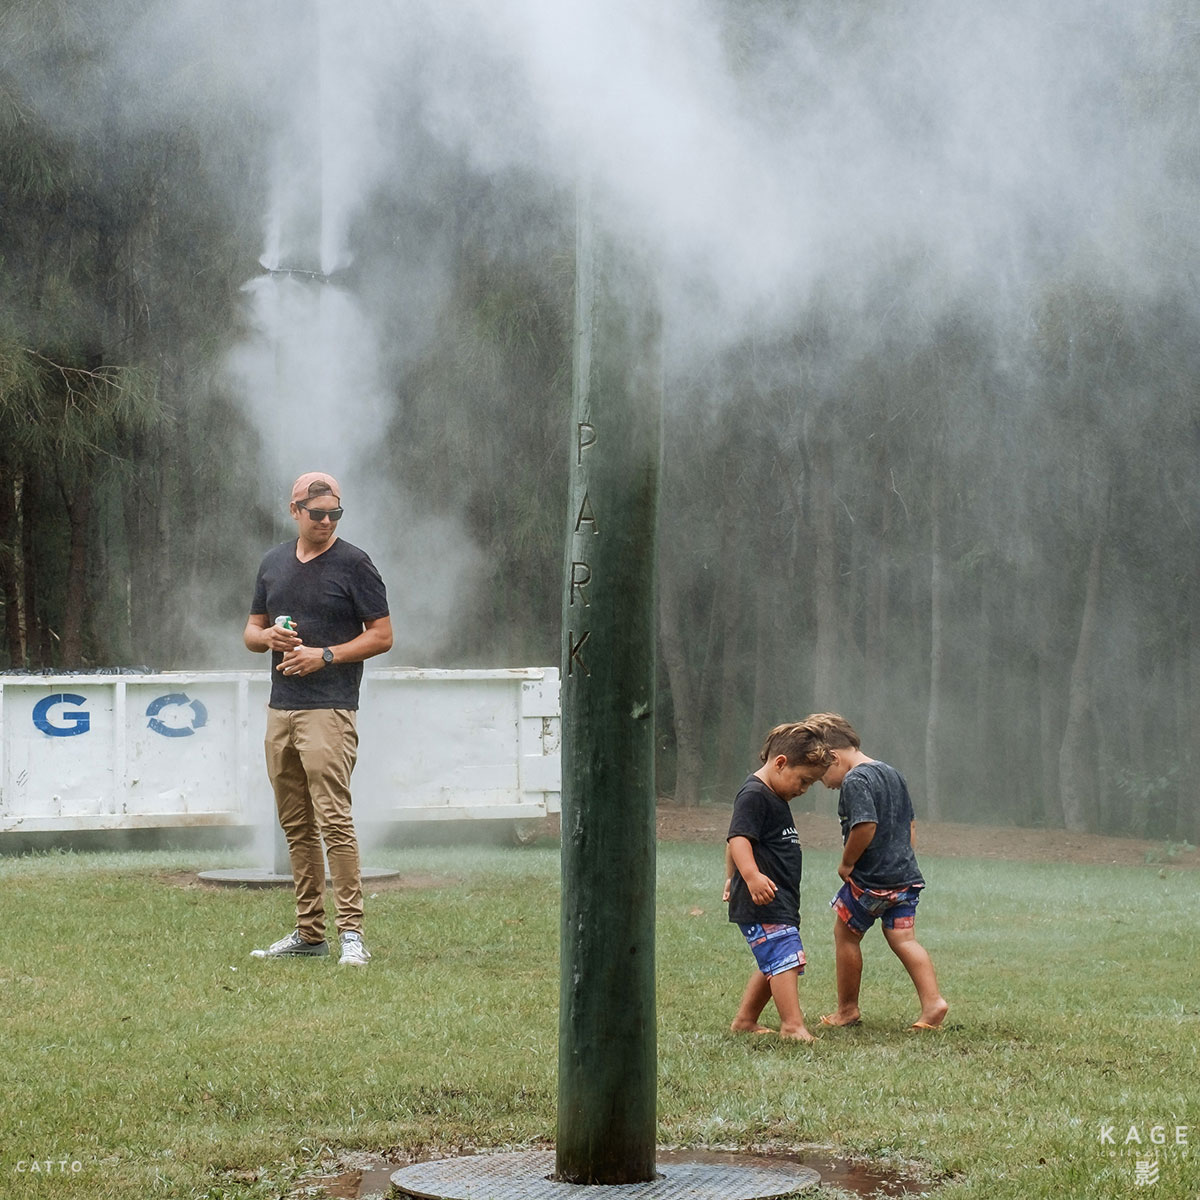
836, 732
799, 742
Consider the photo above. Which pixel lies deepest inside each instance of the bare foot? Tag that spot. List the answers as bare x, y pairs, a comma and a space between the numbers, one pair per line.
749, 1027
839, 1020
932, 1018
797, 1034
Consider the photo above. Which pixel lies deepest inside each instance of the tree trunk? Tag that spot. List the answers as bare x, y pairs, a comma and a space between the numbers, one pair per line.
79, 508
728, 772
933, 803
10, 571
765, 642
978, 771
689, 752
826, 692
1187, 819
1109, 813
38, 649
875, 644
1072, 756
1049, 737
164, 554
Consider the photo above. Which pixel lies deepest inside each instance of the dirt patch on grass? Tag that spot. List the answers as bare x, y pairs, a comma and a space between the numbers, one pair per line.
820, 831
409, 881
358, 1175
709, 823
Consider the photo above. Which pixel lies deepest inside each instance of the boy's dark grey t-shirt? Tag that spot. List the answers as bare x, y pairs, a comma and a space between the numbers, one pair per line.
875, 792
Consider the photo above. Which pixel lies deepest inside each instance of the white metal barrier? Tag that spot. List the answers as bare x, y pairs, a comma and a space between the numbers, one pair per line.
83, 752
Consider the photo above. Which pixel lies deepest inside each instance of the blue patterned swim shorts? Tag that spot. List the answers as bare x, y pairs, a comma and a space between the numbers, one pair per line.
777, 948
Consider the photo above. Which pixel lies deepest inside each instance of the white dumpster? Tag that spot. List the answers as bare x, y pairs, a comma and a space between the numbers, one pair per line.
83, 752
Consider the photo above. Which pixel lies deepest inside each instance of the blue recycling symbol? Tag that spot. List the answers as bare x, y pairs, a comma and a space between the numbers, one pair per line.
181, 716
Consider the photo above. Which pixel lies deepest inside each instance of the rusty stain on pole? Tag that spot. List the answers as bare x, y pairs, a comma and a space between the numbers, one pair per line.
607, 1073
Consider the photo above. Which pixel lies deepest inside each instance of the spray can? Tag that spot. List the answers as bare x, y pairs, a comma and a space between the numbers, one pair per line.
286, 623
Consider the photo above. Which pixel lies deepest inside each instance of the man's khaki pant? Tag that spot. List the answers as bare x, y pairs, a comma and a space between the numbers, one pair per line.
310, 756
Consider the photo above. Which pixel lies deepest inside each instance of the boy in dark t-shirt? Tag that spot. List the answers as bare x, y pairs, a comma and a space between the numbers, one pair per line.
879, 873
762, 876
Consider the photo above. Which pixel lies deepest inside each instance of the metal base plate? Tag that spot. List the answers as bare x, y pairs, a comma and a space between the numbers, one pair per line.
248, 877
525, 1175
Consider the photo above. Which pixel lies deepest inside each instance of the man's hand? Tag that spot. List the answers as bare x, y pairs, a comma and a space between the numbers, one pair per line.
278, 638
302, 660
260, 635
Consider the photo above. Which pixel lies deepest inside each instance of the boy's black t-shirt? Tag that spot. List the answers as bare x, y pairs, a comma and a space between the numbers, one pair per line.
760, 816
329, 597
876, 792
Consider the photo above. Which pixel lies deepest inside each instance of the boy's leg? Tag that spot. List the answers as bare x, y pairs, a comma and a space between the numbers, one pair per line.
847, 948
785, 991
920, 970
754, 1000
777, 949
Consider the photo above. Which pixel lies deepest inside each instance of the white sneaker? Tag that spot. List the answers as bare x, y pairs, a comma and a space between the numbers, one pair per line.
354, 952
292, 946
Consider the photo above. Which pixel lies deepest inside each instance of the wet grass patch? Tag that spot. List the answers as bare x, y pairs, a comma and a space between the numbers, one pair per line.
147, 1052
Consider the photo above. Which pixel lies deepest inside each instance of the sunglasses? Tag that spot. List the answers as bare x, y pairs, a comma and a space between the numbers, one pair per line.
319, 514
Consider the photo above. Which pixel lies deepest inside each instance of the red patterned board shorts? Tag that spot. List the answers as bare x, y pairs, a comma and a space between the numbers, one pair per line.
861, 907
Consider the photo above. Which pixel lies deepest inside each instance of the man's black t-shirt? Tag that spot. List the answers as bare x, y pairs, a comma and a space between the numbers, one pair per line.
760, 816
329, 598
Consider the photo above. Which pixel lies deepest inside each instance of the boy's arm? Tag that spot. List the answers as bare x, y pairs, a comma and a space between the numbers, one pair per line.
761, 889
857, 840
728, 873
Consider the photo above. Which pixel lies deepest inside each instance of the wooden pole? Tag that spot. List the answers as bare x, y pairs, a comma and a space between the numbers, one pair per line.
607, 1073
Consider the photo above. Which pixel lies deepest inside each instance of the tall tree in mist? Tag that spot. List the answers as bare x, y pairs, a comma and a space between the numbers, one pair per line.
119, 324
946, 484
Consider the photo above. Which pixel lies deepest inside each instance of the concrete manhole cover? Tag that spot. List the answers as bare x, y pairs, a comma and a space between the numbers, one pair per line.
249, 877
525, 1176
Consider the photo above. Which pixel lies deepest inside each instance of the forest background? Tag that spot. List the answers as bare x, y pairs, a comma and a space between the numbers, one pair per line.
946, 485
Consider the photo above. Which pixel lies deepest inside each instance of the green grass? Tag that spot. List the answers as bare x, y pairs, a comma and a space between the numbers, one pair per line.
141, 1042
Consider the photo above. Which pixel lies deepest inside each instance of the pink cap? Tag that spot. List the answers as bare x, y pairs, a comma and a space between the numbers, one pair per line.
302, 488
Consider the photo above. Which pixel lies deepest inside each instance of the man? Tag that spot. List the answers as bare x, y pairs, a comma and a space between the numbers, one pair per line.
337, 605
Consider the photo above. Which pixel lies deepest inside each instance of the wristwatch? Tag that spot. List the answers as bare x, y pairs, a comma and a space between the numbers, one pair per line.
327, 655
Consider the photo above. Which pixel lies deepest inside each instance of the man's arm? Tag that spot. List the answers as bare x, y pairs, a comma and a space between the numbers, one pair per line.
858, 839
761, 889
376, 638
